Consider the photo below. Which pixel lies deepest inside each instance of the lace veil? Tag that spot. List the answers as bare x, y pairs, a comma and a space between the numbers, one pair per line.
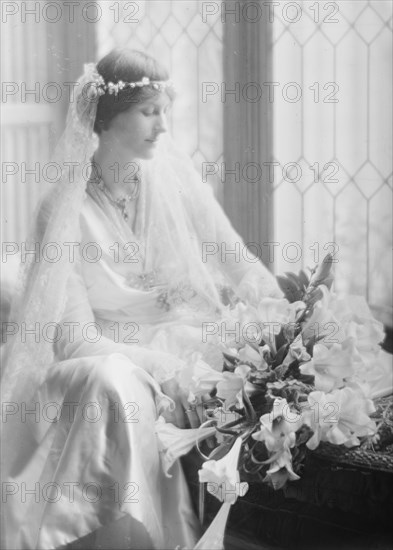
183, 216
40, 293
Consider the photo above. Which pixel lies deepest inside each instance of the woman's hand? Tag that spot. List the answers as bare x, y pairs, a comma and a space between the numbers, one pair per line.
172, 389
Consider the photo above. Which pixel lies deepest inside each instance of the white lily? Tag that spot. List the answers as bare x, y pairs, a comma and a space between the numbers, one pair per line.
230, 389
198, 379
339, 417
222, 476
174, 442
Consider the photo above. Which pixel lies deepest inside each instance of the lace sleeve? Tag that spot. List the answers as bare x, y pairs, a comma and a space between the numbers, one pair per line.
250, 278
80, 335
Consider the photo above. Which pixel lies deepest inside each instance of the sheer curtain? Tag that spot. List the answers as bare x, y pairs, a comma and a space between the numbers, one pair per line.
333, 142
26, 122
43, 50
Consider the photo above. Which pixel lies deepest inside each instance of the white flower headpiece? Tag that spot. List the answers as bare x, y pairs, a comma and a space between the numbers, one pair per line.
111, 88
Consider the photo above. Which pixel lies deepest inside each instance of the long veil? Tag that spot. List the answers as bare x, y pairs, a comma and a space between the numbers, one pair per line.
183, 217
39, 299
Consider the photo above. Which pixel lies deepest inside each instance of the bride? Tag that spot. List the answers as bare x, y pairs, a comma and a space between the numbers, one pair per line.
142, 262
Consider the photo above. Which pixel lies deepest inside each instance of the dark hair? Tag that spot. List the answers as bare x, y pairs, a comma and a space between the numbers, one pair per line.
128, 66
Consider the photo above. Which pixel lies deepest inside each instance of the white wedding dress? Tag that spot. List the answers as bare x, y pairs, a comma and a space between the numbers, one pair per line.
88, 455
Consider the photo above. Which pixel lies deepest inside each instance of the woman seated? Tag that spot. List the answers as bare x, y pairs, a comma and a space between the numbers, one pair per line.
144, 265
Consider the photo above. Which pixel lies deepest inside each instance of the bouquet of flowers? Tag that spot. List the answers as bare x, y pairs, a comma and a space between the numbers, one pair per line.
297, 371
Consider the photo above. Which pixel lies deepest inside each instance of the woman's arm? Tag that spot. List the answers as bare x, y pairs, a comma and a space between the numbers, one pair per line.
79, 336
250, 278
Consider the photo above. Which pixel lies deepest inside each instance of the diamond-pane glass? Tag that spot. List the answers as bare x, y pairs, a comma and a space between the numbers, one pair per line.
340, 134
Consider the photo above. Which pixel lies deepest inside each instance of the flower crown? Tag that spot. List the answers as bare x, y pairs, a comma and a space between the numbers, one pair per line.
111, 88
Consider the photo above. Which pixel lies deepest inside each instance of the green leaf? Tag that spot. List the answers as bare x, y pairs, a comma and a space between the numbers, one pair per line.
308, 379
314, 296
295, 279
303, 278
329, 281
230, 358
223, 449
280, 356
280, 339
289, 288
293, 370
248, 408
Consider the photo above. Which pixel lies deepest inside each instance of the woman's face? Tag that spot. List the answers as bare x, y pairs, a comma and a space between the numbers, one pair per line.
138, 129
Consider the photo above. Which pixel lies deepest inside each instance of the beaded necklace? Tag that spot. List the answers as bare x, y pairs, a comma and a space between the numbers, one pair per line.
121, 202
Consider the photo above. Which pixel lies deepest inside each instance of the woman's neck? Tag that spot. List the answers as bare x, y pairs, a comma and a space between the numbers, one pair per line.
115, 167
